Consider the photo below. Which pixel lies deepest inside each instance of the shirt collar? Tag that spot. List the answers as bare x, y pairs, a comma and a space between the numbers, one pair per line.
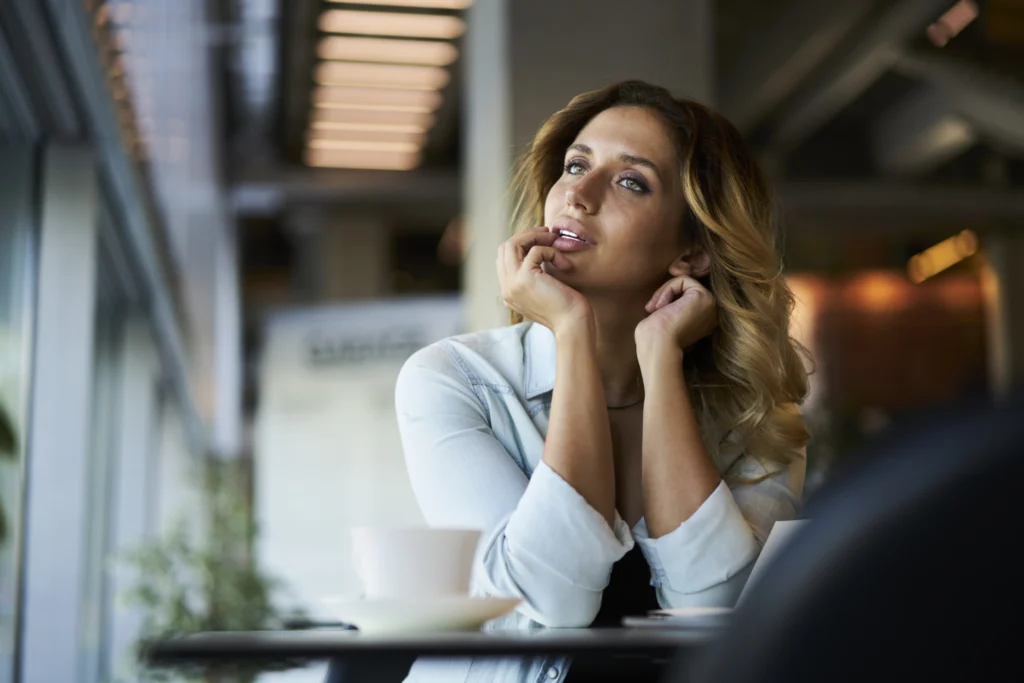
539, 363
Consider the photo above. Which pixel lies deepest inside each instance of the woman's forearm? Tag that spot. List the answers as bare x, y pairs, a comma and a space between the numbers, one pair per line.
578, 445
678, 473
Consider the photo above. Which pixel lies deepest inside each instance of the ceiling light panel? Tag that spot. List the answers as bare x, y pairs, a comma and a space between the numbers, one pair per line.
426, 52
424, 4
381, 75
365, 127
363, 145
420, 120
405, 136
376, 98
402, 25
335, 158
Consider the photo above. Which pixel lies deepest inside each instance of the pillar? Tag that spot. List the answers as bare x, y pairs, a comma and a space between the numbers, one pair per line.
60, 431
1003, 284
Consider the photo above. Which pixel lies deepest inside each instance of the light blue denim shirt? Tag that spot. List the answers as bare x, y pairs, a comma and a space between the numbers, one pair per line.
473, 415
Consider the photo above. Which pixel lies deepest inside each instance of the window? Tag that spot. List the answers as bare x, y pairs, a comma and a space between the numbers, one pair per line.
97, 600
17, 278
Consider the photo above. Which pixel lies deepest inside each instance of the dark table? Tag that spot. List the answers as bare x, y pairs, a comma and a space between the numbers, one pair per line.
363, 656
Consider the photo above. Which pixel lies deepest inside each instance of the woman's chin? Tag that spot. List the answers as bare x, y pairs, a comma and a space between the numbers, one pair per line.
566, 277
552, 271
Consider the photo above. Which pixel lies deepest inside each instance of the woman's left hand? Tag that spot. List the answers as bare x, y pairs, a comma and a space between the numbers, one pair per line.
682, 312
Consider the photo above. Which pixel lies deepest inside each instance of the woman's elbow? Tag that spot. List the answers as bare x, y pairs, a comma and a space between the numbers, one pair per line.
549, 596
570, 609
723, 594
716, 596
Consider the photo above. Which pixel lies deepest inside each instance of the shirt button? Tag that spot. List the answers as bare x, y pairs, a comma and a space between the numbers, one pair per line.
552, 673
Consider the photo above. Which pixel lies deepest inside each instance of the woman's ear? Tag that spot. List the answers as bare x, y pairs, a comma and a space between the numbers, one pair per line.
694, 262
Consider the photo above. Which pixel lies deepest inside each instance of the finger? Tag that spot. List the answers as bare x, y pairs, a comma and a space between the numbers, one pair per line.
671, 291
513, 250
517, 246
649, 306
540, 254
527, 239
690, 282
678, 288
539, 232
664, 297
509, 259
508, 265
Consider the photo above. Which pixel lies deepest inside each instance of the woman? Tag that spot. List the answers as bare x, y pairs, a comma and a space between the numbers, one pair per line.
637, 427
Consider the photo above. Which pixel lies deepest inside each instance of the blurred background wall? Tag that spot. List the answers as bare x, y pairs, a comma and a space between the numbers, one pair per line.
327, 453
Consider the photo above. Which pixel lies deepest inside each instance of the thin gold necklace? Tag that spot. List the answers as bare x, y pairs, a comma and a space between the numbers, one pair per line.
628, 405
634, 403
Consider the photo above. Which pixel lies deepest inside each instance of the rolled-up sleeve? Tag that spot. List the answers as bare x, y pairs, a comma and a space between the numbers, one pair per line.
542, 541
706, 560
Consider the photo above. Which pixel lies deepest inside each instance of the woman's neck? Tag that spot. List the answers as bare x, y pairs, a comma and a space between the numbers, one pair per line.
616, 349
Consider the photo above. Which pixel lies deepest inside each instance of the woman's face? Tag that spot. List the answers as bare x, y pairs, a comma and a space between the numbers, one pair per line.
620, 193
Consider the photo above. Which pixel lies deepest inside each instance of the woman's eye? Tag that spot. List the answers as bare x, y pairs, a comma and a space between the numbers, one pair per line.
633, 184
574, 168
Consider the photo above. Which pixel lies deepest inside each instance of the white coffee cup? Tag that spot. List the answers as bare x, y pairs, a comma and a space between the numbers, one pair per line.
413, 562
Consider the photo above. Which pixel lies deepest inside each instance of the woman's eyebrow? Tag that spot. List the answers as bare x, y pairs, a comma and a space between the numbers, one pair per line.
640, 161
631, 159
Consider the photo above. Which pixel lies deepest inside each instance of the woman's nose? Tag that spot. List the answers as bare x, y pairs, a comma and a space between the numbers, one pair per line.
583, 194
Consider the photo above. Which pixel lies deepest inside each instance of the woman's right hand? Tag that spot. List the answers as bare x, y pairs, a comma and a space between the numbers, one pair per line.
533, 293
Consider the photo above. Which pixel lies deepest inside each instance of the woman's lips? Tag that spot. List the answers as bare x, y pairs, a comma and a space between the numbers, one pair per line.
571, 236
570, 244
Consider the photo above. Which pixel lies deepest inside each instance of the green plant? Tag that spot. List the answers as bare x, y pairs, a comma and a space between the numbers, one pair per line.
183, 585
8, 451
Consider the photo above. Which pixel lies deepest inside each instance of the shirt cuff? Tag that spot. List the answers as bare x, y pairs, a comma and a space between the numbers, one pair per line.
557, 526
713, 545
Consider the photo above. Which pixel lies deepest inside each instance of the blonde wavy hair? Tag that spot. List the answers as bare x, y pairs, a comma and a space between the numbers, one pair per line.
748, 376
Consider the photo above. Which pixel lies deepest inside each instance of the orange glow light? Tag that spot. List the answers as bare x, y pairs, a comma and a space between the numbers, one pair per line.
400, 76
363, 145
382, 127
383, 160
413, 137
426, 4
879, 291
427, 52
423, 101
401, 25
942, 256
409, 119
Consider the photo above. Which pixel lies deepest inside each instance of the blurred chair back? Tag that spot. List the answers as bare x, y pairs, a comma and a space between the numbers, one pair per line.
908, 569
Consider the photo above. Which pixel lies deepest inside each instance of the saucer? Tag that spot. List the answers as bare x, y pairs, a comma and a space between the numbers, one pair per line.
405, 615
695, 616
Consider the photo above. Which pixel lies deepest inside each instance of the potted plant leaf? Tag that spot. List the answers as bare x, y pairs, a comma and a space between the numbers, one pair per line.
186, 585
8, 451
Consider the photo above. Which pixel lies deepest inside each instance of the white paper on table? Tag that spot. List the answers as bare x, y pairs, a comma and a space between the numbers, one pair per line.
780, 535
